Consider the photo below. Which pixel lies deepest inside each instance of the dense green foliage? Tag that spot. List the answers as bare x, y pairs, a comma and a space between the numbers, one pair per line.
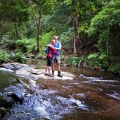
4, 56
28, 26
106, 25
9, 57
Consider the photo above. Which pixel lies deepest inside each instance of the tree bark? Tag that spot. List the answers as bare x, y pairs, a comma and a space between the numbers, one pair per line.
76, 37
78, 44
77, 41
75, 33
16, 30
38, 30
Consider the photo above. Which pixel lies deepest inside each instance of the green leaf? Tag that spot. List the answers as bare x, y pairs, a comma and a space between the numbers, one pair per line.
94, 55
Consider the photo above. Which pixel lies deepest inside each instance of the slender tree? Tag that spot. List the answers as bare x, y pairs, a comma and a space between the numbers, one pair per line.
42, 7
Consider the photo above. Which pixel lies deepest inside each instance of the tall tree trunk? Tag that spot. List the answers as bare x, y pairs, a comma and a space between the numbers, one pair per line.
77, 41
16, 30
38, 30
76, 36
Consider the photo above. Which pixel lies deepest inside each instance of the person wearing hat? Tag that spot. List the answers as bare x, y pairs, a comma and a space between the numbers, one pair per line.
49, 55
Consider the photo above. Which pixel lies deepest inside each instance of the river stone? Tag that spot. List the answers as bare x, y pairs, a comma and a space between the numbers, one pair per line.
13, 65
40, 73
3, 112
4, 102
17, 96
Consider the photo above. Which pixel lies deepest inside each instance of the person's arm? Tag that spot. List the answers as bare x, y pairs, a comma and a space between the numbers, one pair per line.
54, 51
59, 48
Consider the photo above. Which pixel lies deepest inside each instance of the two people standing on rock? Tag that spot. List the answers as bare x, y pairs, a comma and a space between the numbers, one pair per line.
55, 57
57, 47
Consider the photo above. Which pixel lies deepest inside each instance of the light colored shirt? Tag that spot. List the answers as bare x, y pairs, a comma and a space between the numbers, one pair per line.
57, 45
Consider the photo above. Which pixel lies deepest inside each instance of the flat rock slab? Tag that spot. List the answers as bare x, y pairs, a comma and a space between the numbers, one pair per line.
40, 73
30, 72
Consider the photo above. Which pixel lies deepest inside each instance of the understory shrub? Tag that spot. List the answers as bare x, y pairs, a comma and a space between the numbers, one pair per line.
76, 61
17, 57
4, 56
26, 45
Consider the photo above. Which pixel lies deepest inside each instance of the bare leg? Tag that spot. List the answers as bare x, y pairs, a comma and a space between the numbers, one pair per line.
46, 69
58, 66
49, 68
53, 66
53, 69
59, 72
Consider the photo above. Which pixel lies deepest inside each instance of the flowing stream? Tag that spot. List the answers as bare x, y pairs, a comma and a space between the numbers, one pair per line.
91, 95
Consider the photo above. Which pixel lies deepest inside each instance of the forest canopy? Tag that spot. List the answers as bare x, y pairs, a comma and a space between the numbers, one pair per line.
87, 28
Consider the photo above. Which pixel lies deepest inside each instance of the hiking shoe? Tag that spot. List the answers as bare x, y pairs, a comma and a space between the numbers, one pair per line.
59, 74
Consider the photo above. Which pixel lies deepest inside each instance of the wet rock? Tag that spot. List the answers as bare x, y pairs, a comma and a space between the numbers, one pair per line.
39, 56
44, 57
5, 69
32, 73
30, 55
3, 112
32, 83
40, 73
6, 103
65, 65
41, 111
17, 96
13, 66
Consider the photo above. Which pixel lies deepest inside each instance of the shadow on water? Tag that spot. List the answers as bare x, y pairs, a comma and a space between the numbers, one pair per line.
92, 95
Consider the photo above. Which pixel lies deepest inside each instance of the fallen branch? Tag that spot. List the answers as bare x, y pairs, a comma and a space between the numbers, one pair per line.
88, 44
27, 86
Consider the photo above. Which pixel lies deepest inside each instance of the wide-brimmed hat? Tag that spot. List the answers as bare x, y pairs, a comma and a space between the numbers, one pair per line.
49, 45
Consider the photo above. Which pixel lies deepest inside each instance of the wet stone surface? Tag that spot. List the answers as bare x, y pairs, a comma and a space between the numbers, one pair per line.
32, 73
40, 73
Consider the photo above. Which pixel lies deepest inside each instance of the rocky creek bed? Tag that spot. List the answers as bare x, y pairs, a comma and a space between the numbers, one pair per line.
81, 94
8, 98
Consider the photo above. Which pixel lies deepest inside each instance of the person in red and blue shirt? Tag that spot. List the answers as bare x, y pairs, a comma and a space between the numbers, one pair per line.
49, 55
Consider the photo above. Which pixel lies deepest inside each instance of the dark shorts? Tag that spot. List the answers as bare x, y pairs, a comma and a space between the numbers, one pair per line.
49, 61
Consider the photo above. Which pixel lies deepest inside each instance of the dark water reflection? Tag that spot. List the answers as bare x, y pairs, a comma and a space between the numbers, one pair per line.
6, 79
92, 95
